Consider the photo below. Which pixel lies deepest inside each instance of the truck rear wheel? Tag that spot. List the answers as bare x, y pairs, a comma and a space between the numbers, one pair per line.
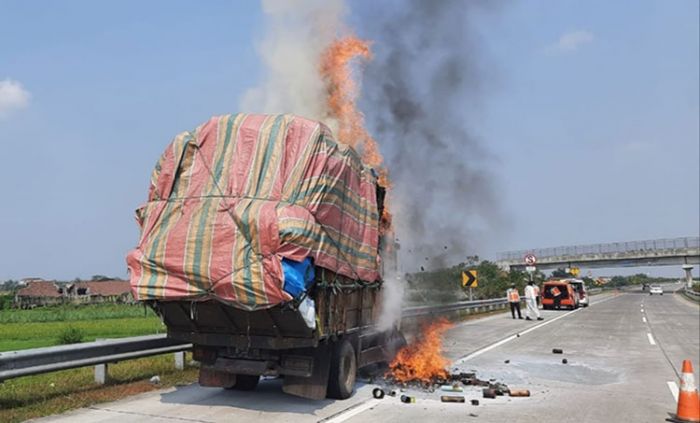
341, 380
245, 383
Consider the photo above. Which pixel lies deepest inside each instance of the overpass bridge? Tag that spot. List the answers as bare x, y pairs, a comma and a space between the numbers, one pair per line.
657, 252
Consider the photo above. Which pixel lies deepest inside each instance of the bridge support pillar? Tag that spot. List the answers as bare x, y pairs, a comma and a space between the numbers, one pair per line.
688, 275
101, 375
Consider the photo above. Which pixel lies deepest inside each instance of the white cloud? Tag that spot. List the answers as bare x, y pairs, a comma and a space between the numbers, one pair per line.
13, 97
571, 41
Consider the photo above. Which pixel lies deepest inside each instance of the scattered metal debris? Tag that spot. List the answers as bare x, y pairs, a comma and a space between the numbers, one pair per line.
452, 398
408, 399
557, 351
378, 393
564, 361
519, 393
489, 393
507, 361
475, 402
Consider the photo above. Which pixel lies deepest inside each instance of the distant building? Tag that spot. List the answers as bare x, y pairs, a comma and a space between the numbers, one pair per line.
109, 291
39, 292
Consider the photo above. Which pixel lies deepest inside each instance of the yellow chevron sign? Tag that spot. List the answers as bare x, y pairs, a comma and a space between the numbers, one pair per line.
470, 279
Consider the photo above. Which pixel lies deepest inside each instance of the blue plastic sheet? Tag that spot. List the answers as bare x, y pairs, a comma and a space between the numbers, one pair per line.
297, 276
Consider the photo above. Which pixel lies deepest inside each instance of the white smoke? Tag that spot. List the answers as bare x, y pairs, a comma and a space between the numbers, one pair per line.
296, 34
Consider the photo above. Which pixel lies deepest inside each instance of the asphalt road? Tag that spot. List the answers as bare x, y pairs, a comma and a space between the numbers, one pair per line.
622, 352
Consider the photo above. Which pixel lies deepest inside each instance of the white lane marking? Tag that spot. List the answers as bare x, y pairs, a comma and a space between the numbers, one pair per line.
352, 412
674, 390
644, 319
651, 339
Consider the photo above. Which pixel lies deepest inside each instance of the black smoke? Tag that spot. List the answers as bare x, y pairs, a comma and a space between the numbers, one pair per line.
422, 95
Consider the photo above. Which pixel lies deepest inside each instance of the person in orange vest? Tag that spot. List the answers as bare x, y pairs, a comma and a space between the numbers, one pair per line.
514, 300
556, 294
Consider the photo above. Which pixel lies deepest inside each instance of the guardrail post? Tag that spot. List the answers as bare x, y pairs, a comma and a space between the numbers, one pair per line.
101, 375
180, 360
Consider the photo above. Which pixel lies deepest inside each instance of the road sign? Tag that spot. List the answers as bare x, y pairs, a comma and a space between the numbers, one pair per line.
530, 259
575, 271
470, 279
530, 269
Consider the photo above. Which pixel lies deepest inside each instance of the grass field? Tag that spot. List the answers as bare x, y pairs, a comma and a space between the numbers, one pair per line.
41, 327
40, 395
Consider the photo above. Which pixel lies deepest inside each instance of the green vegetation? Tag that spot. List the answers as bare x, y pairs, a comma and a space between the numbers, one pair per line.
638, 279
47, 326
70, 312
444, 285
70, 335
696, 287
51, 393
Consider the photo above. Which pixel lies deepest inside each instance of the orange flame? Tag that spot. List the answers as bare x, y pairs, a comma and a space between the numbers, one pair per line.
342, 97
422, 361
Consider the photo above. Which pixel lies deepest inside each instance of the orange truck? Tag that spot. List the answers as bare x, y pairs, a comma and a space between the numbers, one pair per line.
557, 294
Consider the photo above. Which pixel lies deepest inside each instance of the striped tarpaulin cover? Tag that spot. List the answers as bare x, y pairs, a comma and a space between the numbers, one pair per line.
230, 199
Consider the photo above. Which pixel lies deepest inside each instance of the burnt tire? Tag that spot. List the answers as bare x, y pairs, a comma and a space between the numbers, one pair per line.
343, 371
245, 383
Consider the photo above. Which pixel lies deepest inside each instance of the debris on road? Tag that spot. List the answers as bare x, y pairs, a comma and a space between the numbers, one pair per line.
519, 393
507, 361
489, 393
475, 402
452, 398
408, 399
564, 361
451, 388
378, 393
557, 351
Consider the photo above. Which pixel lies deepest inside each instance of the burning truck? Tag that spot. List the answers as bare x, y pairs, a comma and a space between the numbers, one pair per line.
262, 244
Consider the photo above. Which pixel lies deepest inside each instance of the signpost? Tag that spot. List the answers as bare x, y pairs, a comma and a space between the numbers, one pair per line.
530, 261
470, 280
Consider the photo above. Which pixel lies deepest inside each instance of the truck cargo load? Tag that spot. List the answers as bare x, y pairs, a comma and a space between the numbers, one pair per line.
260, 245
243, 196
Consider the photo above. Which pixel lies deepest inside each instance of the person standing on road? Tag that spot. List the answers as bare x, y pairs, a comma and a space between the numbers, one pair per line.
514, 300
531, 302
537, 295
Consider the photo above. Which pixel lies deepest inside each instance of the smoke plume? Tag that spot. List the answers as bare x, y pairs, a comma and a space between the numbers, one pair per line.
421, 93
296, 34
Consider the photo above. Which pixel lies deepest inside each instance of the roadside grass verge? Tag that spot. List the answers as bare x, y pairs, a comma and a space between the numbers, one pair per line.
52, 393
75, 312
18, 336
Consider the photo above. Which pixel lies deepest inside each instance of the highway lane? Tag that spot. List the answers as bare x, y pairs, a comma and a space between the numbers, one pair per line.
674, 323
614, 374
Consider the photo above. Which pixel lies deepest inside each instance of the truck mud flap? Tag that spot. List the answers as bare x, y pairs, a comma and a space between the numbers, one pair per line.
313, 387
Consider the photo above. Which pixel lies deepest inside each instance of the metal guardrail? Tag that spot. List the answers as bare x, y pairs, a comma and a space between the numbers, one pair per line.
664, 244
692, 294
50, 359
446, 308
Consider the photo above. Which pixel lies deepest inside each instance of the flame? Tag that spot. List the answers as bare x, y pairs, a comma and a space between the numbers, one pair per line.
342, 106
422, 361
342, 99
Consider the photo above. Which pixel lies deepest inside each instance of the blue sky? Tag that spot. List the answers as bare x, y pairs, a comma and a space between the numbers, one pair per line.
590, 110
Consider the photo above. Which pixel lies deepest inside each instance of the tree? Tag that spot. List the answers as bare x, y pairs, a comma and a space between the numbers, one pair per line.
560, 273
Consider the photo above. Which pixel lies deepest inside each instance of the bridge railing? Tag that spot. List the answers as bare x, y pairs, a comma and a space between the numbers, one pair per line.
664, 244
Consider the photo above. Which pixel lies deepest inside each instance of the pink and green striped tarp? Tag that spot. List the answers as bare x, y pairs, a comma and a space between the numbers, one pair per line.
230, 199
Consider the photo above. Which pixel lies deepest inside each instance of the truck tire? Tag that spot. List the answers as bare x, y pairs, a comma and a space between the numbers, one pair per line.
245, 383
341, 380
